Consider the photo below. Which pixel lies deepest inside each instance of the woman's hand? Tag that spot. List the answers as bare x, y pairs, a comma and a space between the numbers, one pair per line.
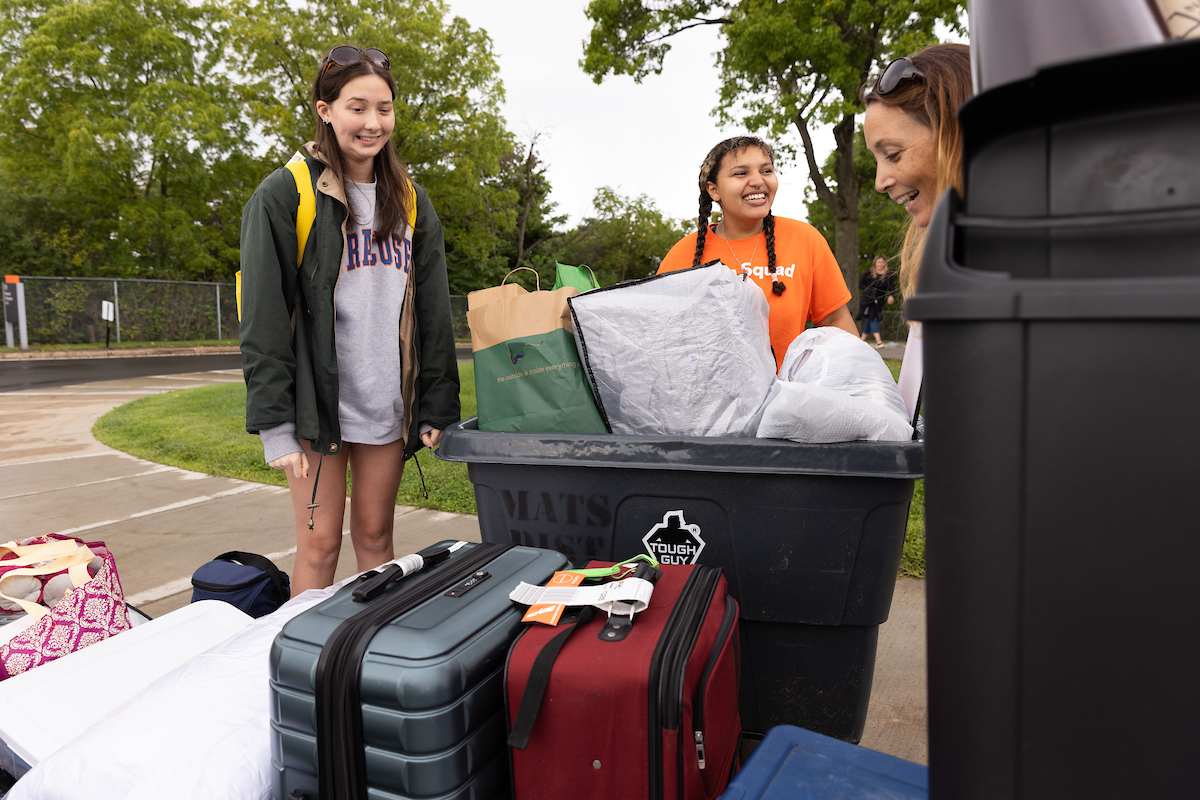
431, 439
296, 462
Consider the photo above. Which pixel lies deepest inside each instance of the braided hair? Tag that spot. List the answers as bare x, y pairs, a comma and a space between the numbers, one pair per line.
708, 174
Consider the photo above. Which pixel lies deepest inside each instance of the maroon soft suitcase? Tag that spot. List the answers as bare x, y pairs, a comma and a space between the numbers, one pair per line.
649, 711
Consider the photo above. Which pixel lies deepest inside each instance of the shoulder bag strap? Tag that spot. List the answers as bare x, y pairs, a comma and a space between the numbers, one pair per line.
539, 679
261, 562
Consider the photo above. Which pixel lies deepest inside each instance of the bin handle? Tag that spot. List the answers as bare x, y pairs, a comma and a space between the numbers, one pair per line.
1076, 222
538, 277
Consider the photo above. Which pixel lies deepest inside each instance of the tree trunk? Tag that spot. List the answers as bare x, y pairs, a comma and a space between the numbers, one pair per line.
843, 202
845, 208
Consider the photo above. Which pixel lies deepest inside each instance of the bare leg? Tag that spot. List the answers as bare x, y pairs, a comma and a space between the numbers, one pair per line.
375, 472
317, 549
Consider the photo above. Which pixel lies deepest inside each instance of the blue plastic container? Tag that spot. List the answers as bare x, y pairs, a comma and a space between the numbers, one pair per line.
792, 762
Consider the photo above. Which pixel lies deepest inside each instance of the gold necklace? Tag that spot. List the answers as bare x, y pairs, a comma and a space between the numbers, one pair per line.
735, 258
777, 286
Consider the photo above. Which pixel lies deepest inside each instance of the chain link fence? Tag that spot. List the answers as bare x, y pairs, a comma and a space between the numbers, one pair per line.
893, 327
69, 310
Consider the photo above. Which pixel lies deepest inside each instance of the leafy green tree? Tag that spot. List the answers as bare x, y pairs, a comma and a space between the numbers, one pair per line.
627, 238
525, 174
881, 222
133, 133
116, 126
448, 125
798, 63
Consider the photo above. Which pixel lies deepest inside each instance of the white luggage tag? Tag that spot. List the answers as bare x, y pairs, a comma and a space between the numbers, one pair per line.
626, 596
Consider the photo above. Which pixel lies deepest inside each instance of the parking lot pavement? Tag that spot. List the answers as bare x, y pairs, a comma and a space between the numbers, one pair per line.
162, 523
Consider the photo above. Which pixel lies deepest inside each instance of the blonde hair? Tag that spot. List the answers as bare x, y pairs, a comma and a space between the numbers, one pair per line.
934, 99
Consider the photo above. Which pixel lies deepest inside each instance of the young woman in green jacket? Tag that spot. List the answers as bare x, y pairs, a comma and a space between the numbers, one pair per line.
347, 348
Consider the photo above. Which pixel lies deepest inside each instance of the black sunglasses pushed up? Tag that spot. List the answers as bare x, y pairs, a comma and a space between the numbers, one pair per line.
345, 55
898, 71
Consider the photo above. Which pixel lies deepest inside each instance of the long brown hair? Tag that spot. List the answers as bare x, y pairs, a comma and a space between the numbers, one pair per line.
708, 174
394, 195
934, 100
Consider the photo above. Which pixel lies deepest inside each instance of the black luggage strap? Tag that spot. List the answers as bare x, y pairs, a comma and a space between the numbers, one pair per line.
917, 411
539, 679
263, 563
341, 751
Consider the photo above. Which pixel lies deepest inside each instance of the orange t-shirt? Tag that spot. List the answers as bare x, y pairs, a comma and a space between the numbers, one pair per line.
803, 262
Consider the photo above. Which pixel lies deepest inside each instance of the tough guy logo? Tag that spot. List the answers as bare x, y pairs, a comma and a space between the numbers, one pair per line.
674, 541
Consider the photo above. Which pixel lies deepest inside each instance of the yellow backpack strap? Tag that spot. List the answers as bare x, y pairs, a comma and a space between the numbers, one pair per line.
412, 209
307, 211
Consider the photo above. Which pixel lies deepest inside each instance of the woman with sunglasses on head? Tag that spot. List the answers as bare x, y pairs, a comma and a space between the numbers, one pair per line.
788, 259
912, 129
347, 348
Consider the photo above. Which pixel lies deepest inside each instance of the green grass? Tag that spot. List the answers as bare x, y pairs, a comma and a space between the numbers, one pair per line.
203, 430
912, 561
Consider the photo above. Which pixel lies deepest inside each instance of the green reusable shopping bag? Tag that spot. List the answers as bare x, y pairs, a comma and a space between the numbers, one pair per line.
581, 277
528, 375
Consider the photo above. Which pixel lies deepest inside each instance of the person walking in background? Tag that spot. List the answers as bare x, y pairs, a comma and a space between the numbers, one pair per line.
788, 259
876, 289
911, 127
349, 357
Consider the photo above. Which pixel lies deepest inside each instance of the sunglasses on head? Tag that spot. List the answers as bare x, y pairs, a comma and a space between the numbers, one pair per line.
345, 55
898, 71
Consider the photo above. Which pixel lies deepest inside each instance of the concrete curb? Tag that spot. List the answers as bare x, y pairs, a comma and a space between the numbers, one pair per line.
131, 352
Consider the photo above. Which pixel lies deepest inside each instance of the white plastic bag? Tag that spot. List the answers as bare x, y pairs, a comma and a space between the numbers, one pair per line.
202, 730
681, 354
833, 387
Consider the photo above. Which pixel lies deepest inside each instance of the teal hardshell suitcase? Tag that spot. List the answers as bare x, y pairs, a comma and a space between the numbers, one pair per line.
400, 693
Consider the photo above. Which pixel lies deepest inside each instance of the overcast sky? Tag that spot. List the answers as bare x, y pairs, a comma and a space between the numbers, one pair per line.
639, 139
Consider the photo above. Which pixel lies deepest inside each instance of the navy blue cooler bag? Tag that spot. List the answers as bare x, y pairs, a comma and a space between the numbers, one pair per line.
247, 581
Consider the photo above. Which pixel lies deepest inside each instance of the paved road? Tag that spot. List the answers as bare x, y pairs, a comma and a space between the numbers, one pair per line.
17, 374
162, 523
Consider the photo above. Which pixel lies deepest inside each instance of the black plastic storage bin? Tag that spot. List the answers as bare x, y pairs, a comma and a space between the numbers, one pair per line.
1061, 315
809, 537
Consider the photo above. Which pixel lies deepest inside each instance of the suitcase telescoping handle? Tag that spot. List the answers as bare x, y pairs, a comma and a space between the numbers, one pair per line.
400, 568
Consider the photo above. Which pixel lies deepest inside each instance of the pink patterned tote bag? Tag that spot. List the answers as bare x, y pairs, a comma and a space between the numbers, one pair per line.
69, 589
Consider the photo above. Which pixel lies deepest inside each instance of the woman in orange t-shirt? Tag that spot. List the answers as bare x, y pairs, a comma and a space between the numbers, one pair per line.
788, 259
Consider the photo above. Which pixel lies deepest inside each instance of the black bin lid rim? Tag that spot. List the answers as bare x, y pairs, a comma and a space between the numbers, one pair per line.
463, 442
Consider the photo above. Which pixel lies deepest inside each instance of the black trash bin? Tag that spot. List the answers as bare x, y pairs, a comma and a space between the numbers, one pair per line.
1061, 315
809, 537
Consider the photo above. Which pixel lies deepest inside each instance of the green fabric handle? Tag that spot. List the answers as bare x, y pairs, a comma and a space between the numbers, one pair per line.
605, 572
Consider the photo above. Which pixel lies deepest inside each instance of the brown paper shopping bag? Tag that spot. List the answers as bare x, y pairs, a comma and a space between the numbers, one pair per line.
527, 372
